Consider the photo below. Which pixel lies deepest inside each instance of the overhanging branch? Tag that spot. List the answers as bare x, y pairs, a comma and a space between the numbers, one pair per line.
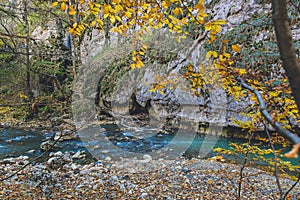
293, 138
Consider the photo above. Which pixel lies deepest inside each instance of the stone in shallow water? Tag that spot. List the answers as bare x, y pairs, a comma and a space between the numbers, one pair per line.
32, 151
79, 155
107, 158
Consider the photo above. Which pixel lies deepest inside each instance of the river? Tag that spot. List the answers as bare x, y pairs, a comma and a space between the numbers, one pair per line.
16, 142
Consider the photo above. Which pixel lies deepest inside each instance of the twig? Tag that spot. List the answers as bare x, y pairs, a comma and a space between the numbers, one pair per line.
276, 172
35, 159
243, 167
292, 187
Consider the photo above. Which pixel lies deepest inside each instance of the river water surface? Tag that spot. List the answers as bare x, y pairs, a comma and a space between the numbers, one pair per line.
16, 142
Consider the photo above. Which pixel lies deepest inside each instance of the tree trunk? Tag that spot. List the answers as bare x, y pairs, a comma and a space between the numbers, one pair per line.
286, 46
27, 48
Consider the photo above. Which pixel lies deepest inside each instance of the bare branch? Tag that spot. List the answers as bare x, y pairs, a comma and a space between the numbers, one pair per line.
292, 187
243, 167
37, 158
276, 172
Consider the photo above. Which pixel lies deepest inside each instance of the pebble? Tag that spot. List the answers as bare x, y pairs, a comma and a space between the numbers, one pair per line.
79, 155
32, 151
107, 158
183, 179
105, 151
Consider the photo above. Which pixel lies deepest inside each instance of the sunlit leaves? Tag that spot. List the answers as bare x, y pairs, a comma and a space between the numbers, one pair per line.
215, 26
211, 54
259, 154
125, 15
54, 4
71, 10
236, 48
63, 6
161, 83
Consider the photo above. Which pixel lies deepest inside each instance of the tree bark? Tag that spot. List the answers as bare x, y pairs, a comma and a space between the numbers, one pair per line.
286, 46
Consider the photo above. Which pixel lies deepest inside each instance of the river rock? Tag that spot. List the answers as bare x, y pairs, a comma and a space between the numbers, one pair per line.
66, 135
108, 158
58, 154
47, 144
105, 151
8, 161
59, 160
146, 158
79, 155
32, 151
56, 121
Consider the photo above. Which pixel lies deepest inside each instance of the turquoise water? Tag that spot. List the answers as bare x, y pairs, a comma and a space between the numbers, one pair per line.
16, 142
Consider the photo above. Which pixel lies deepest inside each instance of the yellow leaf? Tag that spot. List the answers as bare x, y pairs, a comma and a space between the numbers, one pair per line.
128, 14
54, 4
71, 11
222, 58
106, 9
132, 66
75, 25
139, 64
100, 22
225, 41
93, 23
118, 18
160, 91
236, 48
208, 27
105, 15
242, 71
118, 8
63, 6
230, 62
177, 11
152, 89
211, 53
71, 31
80, 27
227, 55
112, 19
82, 1
116, 1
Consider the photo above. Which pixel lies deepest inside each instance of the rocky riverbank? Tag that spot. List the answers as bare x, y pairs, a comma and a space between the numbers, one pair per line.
106, 179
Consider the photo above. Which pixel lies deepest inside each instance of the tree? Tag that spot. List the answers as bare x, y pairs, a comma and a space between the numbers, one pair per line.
36, 61
286, 47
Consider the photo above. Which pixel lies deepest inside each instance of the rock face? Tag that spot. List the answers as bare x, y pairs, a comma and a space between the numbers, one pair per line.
164, 63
